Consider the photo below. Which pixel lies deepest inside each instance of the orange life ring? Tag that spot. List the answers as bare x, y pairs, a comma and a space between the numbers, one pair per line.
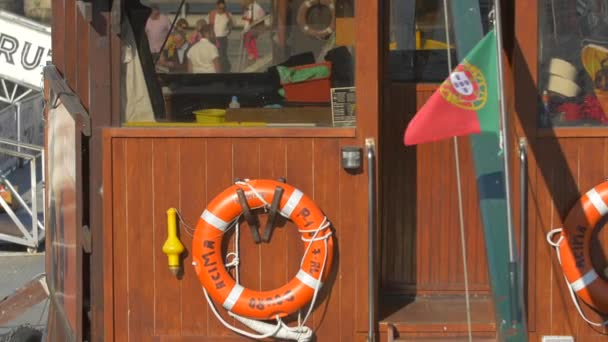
209, 262
302, 21
575, 249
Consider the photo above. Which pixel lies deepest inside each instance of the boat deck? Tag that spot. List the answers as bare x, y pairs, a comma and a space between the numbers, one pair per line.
438, 318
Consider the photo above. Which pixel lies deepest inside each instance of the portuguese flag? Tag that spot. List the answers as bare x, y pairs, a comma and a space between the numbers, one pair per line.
465, 103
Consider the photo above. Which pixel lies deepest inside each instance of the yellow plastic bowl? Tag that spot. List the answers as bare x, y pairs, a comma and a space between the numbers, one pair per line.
210, 115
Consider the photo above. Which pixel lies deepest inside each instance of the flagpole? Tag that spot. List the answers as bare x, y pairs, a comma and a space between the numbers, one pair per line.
506, 149
459, 186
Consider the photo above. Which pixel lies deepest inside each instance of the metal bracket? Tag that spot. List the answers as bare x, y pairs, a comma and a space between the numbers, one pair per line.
61, 91
86, 9
251, 219
86, 239
272, 214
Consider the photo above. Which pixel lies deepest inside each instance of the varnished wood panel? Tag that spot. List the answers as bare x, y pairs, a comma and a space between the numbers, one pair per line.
420, 223
58, 33
553, 200
70, 43
563, 164
152, 174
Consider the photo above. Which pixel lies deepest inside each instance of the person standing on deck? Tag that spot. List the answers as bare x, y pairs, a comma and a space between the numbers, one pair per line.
157, 28
221, 22
195, 35
203, 57
253, 12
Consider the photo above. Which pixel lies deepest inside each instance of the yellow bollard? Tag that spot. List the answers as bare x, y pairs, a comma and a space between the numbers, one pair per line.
172, 247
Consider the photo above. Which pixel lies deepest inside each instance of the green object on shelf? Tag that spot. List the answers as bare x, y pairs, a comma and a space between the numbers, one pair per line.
302, 74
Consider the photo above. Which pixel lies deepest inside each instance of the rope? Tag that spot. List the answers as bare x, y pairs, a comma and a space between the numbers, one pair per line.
573, 296
459, 185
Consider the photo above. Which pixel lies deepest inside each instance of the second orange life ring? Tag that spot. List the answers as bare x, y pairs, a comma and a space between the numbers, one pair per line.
575, 247
302, 18
208, 260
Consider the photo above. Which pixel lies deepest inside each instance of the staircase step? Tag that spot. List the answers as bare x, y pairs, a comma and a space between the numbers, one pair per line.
439, 318
445, 338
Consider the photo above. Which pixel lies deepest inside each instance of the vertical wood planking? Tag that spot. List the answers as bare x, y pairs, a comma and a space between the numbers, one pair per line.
98, 98
273, 164
427, 257
563, 322
300, 174
326, 161
69, 71
398, 210
351, 260
545, 256
120, 212
58, 36
82, 67
188, 172
246, 165
140, 198
220, 175
165, 186
590, 173
193, 199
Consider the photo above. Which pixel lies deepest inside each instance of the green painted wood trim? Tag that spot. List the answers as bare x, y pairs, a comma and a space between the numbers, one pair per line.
489, 172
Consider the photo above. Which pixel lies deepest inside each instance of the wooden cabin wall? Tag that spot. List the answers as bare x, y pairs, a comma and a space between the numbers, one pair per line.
148, 173
563, 164
83, 51
421, 251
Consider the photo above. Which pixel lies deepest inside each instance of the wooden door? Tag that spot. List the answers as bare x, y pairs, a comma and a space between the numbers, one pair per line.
146, 171
420, 223
64, 226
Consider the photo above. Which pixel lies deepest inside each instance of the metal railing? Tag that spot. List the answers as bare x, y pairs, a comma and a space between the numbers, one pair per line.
523, 221
371, 174
31, 153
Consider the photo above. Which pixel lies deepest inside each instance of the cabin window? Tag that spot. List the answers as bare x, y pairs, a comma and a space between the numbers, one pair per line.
239, 63
573, 63
418, 44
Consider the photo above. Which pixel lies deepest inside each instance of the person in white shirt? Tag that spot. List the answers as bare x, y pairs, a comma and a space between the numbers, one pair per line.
221, 22
252, 15
203, 57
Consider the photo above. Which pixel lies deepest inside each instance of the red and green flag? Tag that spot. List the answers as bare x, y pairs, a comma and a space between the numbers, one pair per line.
465, 103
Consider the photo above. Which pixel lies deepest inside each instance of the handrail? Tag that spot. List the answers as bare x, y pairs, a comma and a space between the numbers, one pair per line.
523, 221
371, 174
21, 144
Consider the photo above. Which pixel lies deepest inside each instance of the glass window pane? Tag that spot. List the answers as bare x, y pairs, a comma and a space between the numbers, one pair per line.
573, 63
418, 44
263, 62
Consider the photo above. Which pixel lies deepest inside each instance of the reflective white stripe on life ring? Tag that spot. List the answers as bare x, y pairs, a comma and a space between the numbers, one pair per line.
597, 201
584, 281
213, 220
233, 297
292, 203
308, 280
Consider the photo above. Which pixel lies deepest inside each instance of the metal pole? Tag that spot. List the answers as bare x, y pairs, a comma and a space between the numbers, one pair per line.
43, 177
371, 174
34, 195
523, 221
506, 146
18, 127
